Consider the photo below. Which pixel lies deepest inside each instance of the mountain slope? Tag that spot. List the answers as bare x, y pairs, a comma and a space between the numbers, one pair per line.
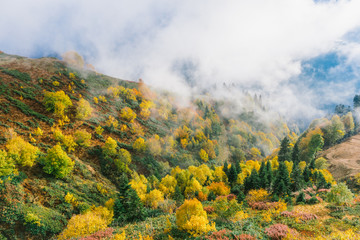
344, 158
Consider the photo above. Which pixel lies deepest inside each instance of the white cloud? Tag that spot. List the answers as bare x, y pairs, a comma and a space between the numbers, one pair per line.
250, 42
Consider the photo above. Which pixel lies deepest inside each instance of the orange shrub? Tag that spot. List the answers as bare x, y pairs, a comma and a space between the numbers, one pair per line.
219, 188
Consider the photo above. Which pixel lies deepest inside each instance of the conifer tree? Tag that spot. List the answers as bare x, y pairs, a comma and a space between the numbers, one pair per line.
285, 151
226, 169
263, 175
252, 181
282, 181
321, 181
178, 196
238, 167
295, 154
307, 174
269, 175
232, 174
128, 206
297, 179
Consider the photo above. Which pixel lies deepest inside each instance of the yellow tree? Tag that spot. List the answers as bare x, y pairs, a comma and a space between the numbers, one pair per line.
167, 185
128, 114
57, 162
191, 217
203, 155
110, 146
153, 198
7, 165
139, 145
83, 110
21, 151
57, 102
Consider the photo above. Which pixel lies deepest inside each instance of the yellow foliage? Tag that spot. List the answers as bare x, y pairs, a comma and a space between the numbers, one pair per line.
138, 183
154, 145
109, 204
110, 146
184, 142
176, 171
69, 142
96, 100
167, 185
255, 153
219, 174
57, 102
274, 163
153, 198
182, 132
86, 224
119, 236
72, 76
83, 138
57, 162
201, 173
7, 165
112, 122
102, 99
239, 216
83, 110
38, 132
257, 195
128, 114
192, 218
289, 166
136, 129
21, 151
139, 145
99, 130
219, 188
144, 106
203, 155
302, 165
55, 83
69, 198
209, 148
57, 134
192, 187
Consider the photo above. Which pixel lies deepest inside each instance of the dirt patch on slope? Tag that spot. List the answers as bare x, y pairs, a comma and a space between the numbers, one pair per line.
344, 158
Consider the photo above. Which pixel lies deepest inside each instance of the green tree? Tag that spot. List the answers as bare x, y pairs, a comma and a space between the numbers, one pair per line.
297, 179
340, 195
315, 145
295, 154
263, 175
282, 181
178, 196
128, 206
232, 177
285, 151
269, 176
252, 181
57, 162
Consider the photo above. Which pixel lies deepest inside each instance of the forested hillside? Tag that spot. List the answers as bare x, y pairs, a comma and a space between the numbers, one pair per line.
88, 156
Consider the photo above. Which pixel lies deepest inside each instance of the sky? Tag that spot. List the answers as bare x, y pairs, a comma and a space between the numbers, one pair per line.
302, 56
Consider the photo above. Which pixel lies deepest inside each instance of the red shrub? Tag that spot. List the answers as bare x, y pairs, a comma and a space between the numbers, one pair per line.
263, 205
277, 231
219, 235
104, 234
209, 209
244, 237
231, 197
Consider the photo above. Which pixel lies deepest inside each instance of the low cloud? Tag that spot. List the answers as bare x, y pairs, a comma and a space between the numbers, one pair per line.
188, 46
